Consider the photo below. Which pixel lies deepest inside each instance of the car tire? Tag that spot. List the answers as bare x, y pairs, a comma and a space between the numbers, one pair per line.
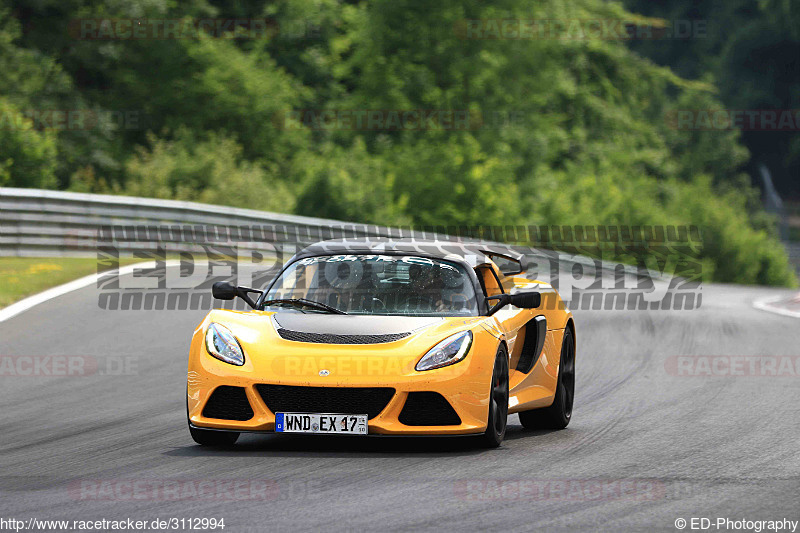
498, 402
207, 437
558, 415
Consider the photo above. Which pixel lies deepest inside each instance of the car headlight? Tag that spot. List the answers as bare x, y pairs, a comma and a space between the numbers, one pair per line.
451, 350
221, 344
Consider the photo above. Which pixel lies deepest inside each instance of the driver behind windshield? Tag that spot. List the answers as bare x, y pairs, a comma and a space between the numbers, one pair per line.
383, 285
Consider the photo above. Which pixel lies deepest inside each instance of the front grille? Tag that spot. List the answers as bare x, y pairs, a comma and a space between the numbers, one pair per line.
339, 400
332, 338
428, 409
228, 403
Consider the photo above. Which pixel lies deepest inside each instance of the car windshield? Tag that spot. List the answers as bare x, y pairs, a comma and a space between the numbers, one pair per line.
379, 285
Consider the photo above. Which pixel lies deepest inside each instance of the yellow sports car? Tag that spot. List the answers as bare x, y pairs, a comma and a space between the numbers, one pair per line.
385, 337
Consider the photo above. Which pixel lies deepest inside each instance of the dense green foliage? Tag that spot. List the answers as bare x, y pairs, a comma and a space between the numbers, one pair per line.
751, 49
561, 131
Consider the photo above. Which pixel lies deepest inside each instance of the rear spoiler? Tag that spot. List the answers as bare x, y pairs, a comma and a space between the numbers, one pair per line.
509, 263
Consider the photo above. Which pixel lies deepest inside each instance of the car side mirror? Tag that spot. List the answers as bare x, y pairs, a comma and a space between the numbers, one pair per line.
523, 300
526, 300
222, 290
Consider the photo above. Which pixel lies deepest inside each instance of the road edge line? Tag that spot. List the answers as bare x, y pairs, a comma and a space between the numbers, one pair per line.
764, 305
54, 292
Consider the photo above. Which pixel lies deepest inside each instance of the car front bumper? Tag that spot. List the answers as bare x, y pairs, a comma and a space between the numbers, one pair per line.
465, 386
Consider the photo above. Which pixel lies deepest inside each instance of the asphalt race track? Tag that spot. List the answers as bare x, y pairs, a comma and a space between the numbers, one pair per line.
646, 445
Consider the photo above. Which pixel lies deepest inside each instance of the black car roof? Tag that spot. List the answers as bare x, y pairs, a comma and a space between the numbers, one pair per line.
439, 249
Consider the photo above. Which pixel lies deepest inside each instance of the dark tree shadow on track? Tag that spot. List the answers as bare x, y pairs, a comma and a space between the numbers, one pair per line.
340, 446
516, 431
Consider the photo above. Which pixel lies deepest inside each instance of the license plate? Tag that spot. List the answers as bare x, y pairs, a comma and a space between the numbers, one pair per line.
321, 423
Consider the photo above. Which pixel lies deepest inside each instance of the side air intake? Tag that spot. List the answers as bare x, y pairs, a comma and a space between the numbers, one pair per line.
535, 332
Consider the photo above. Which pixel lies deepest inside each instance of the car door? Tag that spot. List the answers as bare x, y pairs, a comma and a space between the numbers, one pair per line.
510, 320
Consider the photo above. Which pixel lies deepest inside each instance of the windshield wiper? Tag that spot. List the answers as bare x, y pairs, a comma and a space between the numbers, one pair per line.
305, 303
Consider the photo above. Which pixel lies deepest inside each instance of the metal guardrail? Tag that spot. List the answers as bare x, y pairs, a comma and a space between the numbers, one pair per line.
37, 223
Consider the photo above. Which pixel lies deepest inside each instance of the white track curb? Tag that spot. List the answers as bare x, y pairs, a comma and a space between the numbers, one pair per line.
80, 283
765, 304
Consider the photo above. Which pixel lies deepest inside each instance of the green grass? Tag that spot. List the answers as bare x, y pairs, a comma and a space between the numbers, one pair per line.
24, 276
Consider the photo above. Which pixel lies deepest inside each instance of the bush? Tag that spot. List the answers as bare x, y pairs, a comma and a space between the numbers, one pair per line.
732, 250
209, 170
28, 157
